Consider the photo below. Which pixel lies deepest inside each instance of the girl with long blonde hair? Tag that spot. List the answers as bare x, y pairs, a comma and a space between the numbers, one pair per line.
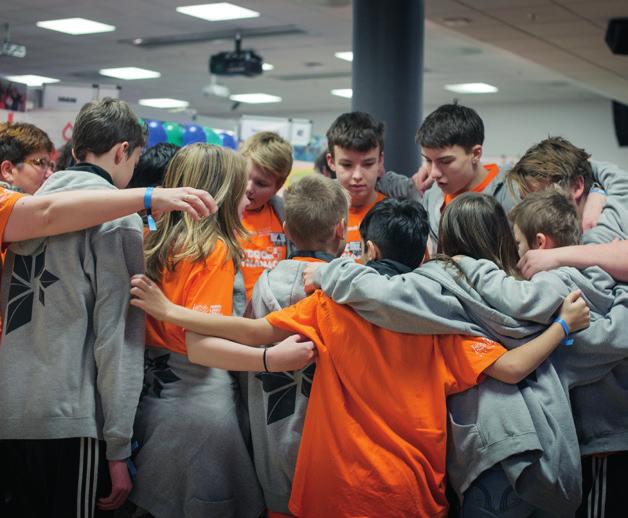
193, 459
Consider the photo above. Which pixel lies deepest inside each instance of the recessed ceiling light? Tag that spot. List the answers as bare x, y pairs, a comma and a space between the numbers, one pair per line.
343, 92
76, 26
129, 73
217, 12
32, 80
163, 102
267, 67
255, 98
347, 56
472, 88
456, 21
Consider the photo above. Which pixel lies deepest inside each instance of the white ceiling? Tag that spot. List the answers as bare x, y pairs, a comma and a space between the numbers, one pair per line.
532, 50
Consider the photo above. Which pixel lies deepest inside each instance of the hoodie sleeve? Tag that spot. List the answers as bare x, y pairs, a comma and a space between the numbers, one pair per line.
408, 303
612, 178
398, 186
535, 300
119, 332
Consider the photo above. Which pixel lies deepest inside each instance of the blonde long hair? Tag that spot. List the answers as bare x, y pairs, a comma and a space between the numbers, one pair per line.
222, 173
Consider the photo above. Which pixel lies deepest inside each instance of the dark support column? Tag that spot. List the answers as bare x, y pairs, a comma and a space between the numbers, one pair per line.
388, 73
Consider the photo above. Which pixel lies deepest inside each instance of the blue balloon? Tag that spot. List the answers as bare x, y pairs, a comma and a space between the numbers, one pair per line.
156, 133
228, 140
193, 133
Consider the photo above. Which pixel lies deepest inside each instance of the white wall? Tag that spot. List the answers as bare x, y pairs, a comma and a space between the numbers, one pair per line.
511, 129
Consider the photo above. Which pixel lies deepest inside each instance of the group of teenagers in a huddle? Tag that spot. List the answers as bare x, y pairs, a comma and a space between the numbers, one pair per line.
425, 359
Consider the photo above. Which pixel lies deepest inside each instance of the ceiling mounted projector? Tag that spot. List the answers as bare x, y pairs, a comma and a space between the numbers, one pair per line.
237, 62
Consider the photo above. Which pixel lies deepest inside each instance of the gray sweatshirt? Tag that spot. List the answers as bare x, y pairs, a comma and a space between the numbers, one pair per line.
277, 401
528, 428
72, 354
399, 186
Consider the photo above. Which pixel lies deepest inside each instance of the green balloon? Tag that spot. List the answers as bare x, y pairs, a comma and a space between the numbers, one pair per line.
212, 137
174, 133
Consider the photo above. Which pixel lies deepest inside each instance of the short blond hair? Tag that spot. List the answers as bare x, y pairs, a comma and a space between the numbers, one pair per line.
313, 207
270, 152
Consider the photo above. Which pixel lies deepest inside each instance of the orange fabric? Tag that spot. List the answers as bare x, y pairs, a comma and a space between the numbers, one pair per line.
353, 248
307, 259
375, 433
265, 246
205, 286
8, 199
493, 171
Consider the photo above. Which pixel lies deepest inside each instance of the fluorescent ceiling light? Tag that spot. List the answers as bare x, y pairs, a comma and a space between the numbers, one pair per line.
76, 26
129, 73
255, 98
347, 56
267, 67
471, 88
163, 102
343, 92
32, 80
217, 12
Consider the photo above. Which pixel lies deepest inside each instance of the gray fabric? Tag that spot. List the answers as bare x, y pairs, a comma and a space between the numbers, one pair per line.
193, 460
603, 427
433, 202
74, 368
533, 435
398, 186
277, 203
276, 423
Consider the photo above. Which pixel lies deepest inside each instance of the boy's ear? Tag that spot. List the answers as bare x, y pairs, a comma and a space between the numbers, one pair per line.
6, 171
476, 153
330, 162
122, 152
340, 230
577, 189
382, 169
372, 251
543, 241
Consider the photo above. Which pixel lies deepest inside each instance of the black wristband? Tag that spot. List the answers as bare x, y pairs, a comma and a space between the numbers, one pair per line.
264, 359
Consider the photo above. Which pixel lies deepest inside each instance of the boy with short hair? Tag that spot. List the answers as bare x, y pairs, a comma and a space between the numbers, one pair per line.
545, 220
355, 153
25, 157
68, 417
451, 139
269, 162
316, 215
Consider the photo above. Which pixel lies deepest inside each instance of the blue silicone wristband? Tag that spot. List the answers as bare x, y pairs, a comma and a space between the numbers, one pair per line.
148, 202
567, 340
597, 190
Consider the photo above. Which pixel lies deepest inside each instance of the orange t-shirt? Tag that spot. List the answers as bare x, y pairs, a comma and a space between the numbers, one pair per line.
205, 286
493, 171
353, 248
375, 433
8, 199
265, 246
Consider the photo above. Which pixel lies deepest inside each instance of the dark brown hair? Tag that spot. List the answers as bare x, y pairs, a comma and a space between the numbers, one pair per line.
548, 212
356, 131
20, 139
553, 161
475, 225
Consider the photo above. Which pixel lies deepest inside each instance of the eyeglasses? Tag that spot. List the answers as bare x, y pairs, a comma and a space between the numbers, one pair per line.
42, 162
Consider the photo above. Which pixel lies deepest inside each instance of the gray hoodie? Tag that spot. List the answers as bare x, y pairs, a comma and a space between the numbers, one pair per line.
277, 401
528, 428
71, 360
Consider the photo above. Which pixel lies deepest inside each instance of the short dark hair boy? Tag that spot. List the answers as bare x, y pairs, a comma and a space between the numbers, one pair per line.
395, 231
451, 125
151, 168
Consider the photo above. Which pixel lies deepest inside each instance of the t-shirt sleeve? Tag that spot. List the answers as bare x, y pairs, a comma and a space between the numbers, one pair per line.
301, 318
466, 358
210, 288
8, 199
